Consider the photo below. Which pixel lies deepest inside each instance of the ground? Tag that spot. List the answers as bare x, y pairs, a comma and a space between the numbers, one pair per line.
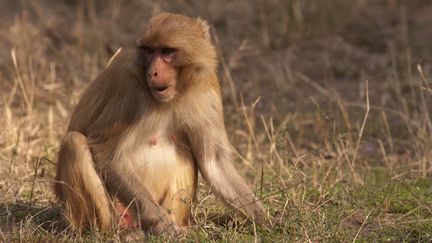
328, 104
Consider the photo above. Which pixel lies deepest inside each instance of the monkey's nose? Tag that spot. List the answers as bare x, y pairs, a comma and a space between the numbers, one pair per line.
152, 74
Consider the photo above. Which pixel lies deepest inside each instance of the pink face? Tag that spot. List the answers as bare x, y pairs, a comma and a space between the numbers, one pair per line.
161, 73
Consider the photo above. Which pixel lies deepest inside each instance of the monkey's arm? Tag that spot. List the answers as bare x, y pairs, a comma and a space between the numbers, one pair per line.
213, 154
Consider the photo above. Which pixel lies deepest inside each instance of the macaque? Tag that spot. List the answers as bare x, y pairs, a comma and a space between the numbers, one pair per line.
142, 131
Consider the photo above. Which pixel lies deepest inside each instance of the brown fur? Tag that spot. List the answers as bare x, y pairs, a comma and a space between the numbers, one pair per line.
122, 142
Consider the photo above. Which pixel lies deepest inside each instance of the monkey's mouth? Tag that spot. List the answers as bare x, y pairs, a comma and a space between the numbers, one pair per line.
159, 89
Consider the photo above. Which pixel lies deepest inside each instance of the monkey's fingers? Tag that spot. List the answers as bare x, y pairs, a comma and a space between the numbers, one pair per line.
171, 228
132, 235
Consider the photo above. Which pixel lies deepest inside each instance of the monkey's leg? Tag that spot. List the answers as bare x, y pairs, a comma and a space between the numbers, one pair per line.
177, 203
179, 196
80, 188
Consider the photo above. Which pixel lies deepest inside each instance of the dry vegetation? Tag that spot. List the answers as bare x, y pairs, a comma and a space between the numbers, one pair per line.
333, 156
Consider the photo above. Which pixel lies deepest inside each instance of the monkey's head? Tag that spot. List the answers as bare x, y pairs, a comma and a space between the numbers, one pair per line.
171, 45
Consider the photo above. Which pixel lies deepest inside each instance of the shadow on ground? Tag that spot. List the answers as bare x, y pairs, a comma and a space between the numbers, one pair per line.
44, 218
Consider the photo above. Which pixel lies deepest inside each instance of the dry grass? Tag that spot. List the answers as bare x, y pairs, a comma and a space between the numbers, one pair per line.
334, 158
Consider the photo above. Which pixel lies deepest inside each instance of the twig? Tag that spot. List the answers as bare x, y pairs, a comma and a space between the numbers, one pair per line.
362, 128
36, 167
361, 226
20, 79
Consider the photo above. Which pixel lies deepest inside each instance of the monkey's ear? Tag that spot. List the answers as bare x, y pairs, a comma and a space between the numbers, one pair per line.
205, 28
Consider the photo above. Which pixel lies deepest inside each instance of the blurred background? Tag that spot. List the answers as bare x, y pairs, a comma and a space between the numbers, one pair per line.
328, 104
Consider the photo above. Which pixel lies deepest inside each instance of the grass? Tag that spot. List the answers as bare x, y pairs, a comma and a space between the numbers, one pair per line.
335, 158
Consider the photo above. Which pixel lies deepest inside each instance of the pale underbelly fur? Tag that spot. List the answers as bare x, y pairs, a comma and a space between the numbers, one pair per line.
159, 165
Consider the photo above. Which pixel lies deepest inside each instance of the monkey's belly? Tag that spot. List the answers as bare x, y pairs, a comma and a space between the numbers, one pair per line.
164, 171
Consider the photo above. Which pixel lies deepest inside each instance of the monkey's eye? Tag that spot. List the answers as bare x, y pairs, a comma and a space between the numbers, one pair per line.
147, 50
168, 51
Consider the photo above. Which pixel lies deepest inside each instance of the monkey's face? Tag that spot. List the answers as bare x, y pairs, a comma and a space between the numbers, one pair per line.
172, 44
161, 74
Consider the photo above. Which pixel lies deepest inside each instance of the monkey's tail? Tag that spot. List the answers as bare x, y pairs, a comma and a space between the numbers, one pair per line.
80, 188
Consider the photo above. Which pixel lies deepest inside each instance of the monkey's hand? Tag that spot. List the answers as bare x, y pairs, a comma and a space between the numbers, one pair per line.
166, 225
